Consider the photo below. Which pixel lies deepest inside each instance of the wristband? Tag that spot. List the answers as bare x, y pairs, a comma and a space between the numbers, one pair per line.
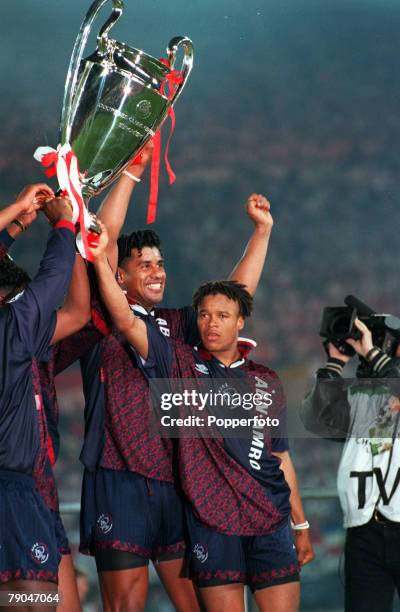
335, 365
65, 224
372, 353
19, 224
300, 526
132, 176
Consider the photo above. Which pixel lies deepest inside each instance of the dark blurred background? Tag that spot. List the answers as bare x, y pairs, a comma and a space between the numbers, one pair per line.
296, 99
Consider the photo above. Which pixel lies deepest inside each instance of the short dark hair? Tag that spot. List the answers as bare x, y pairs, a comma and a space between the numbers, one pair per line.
11, 275
137, 240
231, 289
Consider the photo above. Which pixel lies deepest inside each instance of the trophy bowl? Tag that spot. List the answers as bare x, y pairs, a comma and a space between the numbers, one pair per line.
116, 99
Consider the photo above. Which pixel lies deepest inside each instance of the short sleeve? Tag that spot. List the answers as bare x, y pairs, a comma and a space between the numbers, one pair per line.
279, 445
159, 360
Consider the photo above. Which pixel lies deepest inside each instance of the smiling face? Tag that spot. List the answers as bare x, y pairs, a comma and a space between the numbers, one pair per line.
219, 322
142, 276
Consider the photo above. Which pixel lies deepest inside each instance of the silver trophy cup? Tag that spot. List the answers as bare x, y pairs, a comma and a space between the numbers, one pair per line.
115, 100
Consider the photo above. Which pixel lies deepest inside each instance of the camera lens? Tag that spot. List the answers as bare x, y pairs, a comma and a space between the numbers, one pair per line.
340, 325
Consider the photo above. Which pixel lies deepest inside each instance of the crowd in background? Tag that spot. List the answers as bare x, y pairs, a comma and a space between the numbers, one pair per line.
317, 131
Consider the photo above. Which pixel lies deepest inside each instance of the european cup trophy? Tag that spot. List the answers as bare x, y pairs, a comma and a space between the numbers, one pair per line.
115, 100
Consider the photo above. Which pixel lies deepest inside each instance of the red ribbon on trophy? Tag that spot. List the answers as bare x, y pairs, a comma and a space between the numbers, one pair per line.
63, 163
172, 80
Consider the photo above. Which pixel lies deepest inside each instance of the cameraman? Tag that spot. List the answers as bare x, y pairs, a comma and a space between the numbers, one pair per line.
364, 414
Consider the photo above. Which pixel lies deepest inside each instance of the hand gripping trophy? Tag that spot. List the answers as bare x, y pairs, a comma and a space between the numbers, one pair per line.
115, 100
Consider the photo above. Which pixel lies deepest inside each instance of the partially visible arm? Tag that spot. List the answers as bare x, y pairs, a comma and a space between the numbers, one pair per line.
75, 346
27, 202
305, 552
113, 212
75, 312
25, 218
8, 214
249, 268
325, 410
133, 328
83, 341
34, 311
380, 364
114, 207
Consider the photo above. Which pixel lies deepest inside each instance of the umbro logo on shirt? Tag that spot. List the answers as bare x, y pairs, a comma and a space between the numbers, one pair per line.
200, 367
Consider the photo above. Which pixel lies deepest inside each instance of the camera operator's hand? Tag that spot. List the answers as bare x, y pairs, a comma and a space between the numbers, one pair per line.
334, 352
394, 404
363, 346
58, 209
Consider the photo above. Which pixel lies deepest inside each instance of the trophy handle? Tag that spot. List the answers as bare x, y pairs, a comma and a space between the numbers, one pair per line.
77, 54
102, 38
187, 64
